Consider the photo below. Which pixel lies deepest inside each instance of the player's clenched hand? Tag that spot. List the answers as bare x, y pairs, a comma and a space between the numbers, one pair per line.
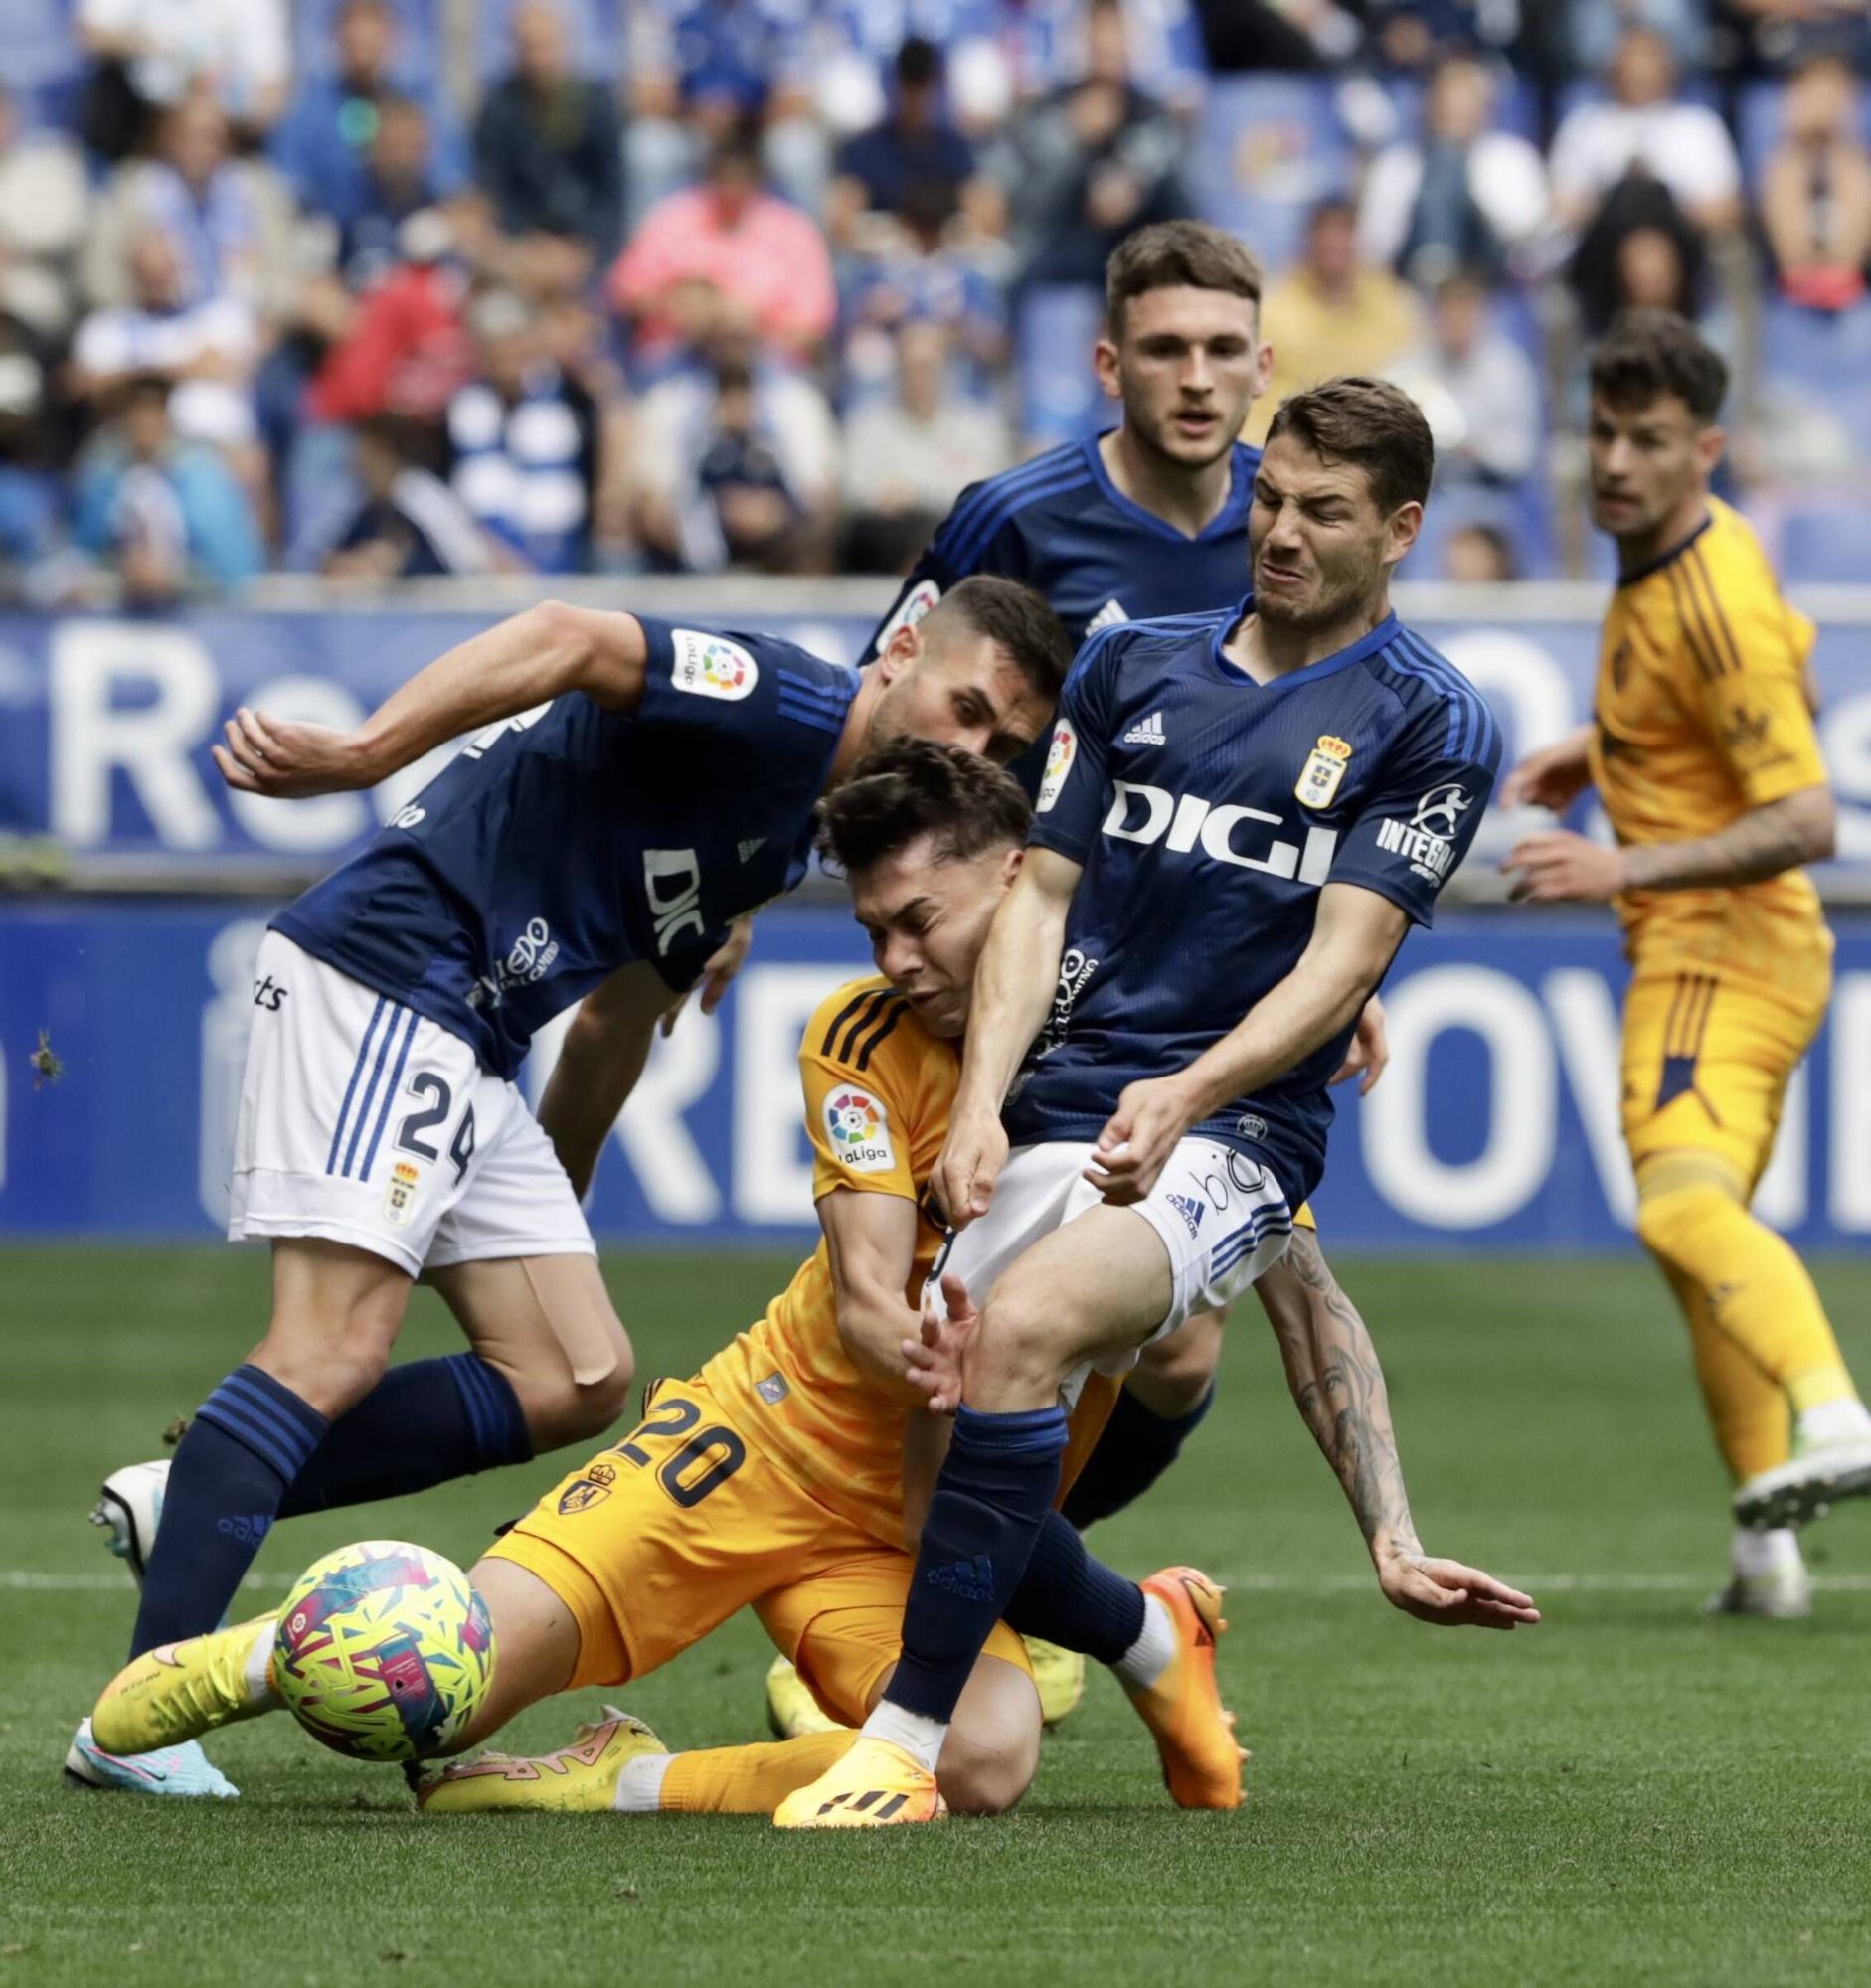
1444, 1591
1369, 1049
724, 963
932, 1362
968, 1165
1560, 867
1153, 1115
281, 757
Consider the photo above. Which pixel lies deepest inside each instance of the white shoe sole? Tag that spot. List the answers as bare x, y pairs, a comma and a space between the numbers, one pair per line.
129, 1505
1797, 1493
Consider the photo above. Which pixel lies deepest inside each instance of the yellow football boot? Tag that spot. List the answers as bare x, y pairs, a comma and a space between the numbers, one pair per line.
1060, 1676
583, 1775
873, 1787
180, 1691
1193, 1731
791, 1710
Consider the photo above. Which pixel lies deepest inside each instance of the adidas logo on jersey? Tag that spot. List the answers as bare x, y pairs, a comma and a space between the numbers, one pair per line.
1147, 732
1189, 1209
743, 850
1106, 617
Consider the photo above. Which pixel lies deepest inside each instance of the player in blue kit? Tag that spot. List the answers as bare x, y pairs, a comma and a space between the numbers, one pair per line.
630, 788
1242, 815
1149, 519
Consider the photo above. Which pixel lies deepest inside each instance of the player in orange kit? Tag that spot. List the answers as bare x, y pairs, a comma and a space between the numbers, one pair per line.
1703, 752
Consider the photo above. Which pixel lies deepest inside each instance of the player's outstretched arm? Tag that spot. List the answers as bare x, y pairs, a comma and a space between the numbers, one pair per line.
1338, 1387
1014, 985
1561, 868
527, 660
1354, 937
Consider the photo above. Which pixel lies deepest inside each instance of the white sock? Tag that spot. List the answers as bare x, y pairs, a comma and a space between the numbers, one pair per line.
1833, 1421
258, 1669
1754, 1555
1154, 1651
918, 1735
640, 1784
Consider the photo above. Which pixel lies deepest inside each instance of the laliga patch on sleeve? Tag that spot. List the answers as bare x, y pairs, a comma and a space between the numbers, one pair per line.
708, 665
910, 610
858, 1128
1058, 765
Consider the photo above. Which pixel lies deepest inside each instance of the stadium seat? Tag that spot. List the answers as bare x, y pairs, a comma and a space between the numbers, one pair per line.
1267, 149
45, 67
1824, 542
598, 35
1822, 358
1055, 330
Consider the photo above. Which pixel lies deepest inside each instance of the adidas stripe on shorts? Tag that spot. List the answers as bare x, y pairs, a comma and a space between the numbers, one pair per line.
364, 1122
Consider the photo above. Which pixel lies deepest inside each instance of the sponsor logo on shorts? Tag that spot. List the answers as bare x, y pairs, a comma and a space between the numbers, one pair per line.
580, 1495
859, 1129
1065, 749
269, 994
1191, 1210
400, 1195
708, 665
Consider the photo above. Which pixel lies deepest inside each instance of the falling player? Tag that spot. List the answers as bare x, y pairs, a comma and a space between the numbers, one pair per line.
1149, 519
774, 1478
634, 786
1236, 887
1702, 749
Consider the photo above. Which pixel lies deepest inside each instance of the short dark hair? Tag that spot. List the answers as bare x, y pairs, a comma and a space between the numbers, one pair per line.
1170, 254
1019, 620
912, 788
918, 64
1649, 353
1370, 423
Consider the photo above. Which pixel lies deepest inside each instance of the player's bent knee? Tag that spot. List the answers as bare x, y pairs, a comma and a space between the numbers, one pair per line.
1023, 1344
1175, 1373
986, 1773
1674, 1222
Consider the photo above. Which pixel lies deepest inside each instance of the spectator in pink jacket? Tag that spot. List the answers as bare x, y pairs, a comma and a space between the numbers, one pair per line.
739, 241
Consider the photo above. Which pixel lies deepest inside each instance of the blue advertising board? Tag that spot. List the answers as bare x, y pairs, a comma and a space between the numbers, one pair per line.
1496, 1124
106, 722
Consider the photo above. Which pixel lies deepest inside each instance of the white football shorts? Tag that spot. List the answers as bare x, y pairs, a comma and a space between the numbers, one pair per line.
1221, 1216
364, 1122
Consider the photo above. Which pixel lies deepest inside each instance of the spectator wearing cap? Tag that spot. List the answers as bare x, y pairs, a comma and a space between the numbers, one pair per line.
165, 517
546, 143
329, 146
909, 452
409, 524
152, 55
736, 460
1089, 163
523, 439
701, 68
1645, 130
737, 240
1815, 190
1333, 313
915, 143
1462, 195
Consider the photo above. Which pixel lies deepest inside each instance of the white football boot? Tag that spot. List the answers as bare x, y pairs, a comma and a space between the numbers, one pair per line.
1767, 1578
1832, 1461
130, 1505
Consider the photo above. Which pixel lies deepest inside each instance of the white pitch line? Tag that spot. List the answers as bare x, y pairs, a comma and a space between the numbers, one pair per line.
103, 1580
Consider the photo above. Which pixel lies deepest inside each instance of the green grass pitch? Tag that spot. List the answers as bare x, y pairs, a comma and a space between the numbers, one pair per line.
1627, 1795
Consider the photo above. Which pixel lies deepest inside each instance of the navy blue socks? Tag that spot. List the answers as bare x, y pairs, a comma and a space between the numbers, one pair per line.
1074, 1600
992, 1502
423, 1422
1134, 1451
248, 1441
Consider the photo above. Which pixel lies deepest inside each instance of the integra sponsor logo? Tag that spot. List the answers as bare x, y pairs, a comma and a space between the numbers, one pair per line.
1427, 855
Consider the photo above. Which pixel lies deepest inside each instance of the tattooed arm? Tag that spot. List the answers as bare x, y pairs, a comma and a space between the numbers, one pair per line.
1338, 1387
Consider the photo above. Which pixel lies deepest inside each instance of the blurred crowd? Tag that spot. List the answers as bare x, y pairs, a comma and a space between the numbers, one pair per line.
390, 288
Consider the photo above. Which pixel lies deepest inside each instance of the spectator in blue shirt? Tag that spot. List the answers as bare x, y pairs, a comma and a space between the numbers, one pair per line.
325, 145
915, 141
167, 517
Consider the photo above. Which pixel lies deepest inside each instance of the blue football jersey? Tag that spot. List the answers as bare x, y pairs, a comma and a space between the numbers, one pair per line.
561, 844
1208, 811
1061, 524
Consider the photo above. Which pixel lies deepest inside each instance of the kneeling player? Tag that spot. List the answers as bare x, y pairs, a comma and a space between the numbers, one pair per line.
775, 1477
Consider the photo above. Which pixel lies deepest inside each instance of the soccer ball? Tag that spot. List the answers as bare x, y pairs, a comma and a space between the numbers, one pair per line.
383, 1651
